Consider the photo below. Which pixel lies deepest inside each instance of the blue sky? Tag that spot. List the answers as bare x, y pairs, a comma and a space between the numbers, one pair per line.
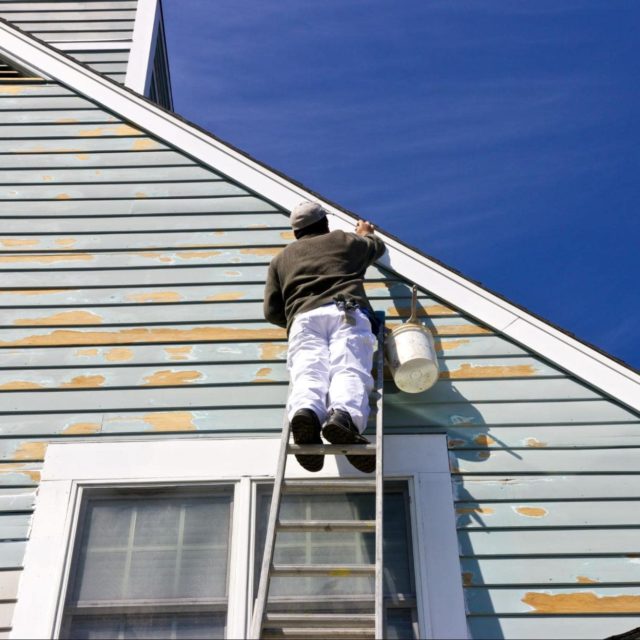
499, 136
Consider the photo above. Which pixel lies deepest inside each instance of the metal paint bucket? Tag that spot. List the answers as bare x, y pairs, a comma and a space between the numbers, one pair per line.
411, 354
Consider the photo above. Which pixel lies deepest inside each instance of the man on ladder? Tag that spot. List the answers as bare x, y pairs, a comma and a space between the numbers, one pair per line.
315, 289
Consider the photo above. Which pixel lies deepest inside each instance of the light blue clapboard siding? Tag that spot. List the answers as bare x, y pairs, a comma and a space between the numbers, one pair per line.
61, 23
132, 307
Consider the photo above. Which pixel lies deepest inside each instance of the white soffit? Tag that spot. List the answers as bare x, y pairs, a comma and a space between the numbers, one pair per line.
566, 352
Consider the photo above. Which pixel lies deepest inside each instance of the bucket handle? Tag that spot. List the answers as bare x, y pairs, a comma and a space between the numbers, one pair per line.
413, 318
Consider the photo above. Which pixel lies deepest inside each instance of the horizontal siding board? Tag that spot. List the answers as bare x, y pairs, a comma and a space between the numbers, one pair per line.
561, 542
45, 90
60, 5
75, 17
6, 614
54, 116
151, 223
101, 57
89, 176
543, 514
529, 627
562, 487
91, 160
79, 145
17, 499
124, 190
223, 351
84, 36
81, 27
544, 437
12, 554
68, 130
9, 584
197, 374
14, 527
35, 102
176, 206
537, 571
594, 599
552, 460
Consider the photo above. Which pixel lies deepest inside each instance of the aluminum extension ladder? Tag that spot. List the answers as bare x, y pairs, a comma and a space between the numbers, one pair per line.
325, 625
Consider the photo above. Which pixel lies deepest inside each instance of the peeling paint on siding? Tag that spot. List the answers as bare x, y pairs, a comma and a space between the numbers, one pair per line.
178, 353
30, 451
63, 318
585, 580
119, 354
170, 421
48, 259
269, 351
228, 296
471, 371
82, 428
144, 144
581, 602
159, 296
16, 385
535, 443
19, 242
261, 375
171, 378
531, 512
261, 251
83, 382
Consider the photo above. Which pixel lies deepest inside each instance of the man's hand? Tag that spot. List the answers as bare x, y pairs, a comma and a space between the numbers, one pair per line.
363, 227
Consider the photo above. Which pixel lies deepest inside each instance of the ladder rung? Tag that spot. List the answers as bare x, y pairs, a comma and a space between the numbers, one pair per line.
333, 449
331, 570
274, 620
317, 632
355, 485
301, 526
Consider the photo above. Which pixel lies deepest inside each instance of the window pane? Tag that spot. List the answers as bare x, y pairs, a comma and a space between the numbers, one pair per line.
148, 626
353, 594
152, 550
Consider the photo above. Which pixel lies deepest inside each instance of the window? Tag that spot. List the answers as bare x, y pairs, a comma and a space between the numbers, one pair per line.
161, 539
342, 594
150, 564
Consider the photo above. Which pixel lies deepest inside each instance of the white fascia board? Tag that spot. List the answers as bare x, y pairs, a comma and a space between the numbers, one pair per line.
143, 44
554, 345
106, 45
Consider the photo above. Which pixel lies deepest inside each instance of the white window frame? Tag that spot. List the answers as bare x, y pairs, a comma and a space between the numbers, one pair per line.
72, 468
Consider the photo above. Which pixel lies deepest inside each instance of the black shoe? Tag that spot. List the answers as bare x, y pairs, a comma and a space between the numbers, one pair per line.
305, 428
339, 429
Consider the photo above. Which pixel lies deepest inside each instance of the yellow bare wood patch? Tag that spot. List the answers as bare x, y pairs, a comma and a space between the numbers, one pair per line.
374, 286
170, 378
32, 292
63, 318
47, 259
83, 382
261, 251
62, 337
226, 296
179, 353
66, 120
121, 130
30, 451
489, 371
82, 156
430, 310
192, 255
139, 194
16, 467
81, 428
587, 602
19, 242
450, 345
157, 296
484, 440
19, 384
261, 375
86, 352
586, 580
232, 274
258, 226
484, 511
119, 354
65, 242
11, 89
270, 351
287, 235
535, 443
170, 421
532, 512
143, 144
47, 178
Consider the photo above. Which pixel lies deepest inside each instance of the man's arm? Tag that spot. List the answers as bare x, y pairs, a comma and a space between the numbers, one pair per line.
366, 230
273, 301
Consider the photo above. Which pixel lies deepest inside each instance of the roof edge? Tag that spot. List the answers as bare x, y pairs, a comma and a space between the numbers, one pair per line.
585, 362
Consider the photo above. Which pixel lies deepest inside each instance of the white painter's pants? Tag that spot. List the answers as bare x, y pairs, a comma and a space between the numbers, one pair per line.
329, 362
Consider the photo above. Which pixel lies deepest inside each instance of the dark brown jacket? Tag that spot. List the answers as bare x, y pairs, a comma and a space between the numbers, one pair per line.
309, 272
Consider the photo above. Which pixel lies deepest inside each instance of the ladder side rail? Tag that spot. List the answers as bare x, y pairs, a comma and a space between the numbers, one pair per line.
270, 538
379, 571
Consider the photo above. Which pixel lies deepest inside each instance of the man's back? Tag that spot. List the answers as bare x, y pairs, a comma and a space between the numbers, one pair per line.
311, 271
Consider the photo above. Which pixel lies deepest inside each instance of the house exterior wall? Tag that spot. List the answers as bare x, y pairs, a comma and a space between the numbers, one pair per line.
131, 301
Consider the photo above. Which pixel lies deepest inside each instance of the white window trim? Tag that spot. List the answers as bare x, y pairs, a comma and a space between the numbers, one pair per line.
70, 468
